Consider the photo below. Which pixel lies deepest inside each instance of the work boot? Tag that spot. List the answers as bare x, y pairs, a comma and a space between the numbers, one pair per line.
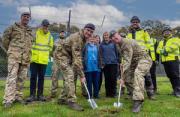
177, 94
62, 102
31, 98
151, 96
20, 101
137, 106
49, 98
75, 106
41, 98
7, 105
53, 95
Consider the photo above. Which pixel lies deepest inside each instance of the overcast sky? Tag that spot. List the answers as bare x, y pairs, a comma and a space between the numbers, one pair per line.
117, 12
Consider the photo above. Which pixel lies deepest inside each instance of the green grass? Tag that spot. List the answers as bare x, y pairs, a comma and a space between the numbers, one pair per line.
164, 106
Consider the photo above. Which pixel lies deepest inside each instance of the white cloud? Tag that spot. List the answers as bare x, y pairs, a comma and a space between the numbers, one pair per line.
172, 23
177, 1
82, 13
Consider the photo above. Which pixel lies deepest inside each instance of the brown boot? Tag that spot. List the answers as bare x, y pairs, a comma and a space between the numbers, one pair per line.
75, 106
137, 106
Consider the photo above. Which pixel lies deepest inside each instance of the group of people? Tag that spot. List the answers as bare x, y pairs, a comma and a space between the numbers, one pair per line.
82, 55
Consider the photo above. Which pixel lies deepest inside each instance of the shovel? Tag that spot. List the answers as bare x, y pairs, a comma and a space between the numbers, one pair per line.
91, 101
118, 104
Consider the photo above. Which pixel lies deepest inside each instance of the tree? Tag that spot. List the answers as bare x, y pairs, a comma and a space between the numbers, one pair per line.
57, 27
61, 27
177, 31
74, 29
123, 30
157, 27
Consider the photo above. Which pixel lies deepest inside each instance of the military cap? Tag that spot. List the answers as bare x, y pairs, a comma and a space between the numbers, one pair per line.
90, 25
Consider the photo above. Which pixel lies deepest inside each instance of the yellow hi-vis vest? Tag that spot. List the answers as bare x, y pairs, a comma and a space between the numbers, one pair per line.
143, 39
172, 47
41, 48
152, 50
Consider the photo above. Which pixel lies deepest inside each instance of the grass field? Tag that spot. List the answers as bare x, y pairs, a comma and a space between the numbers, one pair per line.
164, 106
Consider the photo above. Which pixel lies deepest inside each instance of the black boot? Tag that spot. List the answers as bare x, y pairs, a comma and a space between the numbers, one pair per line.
31, 98
151, 96
177, 92
137, 106
41, 98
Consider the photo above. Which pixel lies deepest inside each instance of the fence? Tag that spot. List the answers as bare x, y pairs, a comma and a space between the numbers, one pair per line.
3, 62
4, 72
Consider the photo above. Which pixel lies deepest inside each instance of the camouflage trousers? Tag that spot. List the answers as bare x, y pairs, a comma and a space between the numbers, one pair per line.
17, 73
56, 73
134, 77
68, 90
83, 90
55, 76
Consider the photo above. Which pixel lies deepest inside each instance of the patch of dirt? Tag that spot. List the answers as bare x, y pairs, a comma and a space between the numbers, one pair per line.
112, 111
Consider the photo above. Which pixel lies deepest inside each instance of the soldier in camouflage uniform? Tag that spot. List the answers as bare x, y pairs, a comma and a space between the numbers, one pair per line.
17, 40
69, 56
55, 71
136, 64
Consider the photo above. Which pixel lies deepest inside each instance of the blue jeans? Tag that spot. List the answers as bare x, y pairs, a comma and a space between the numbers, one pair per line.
92, 79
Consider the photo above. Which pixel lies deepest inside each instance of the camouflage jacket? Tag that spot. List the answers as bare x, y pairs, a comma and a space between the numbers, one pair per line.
17, 41
56, 43
131, 53
70, 52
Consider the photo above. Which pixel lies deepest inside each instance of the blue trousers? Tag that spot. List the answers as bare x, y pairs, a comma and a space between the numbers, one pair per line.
92, 79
